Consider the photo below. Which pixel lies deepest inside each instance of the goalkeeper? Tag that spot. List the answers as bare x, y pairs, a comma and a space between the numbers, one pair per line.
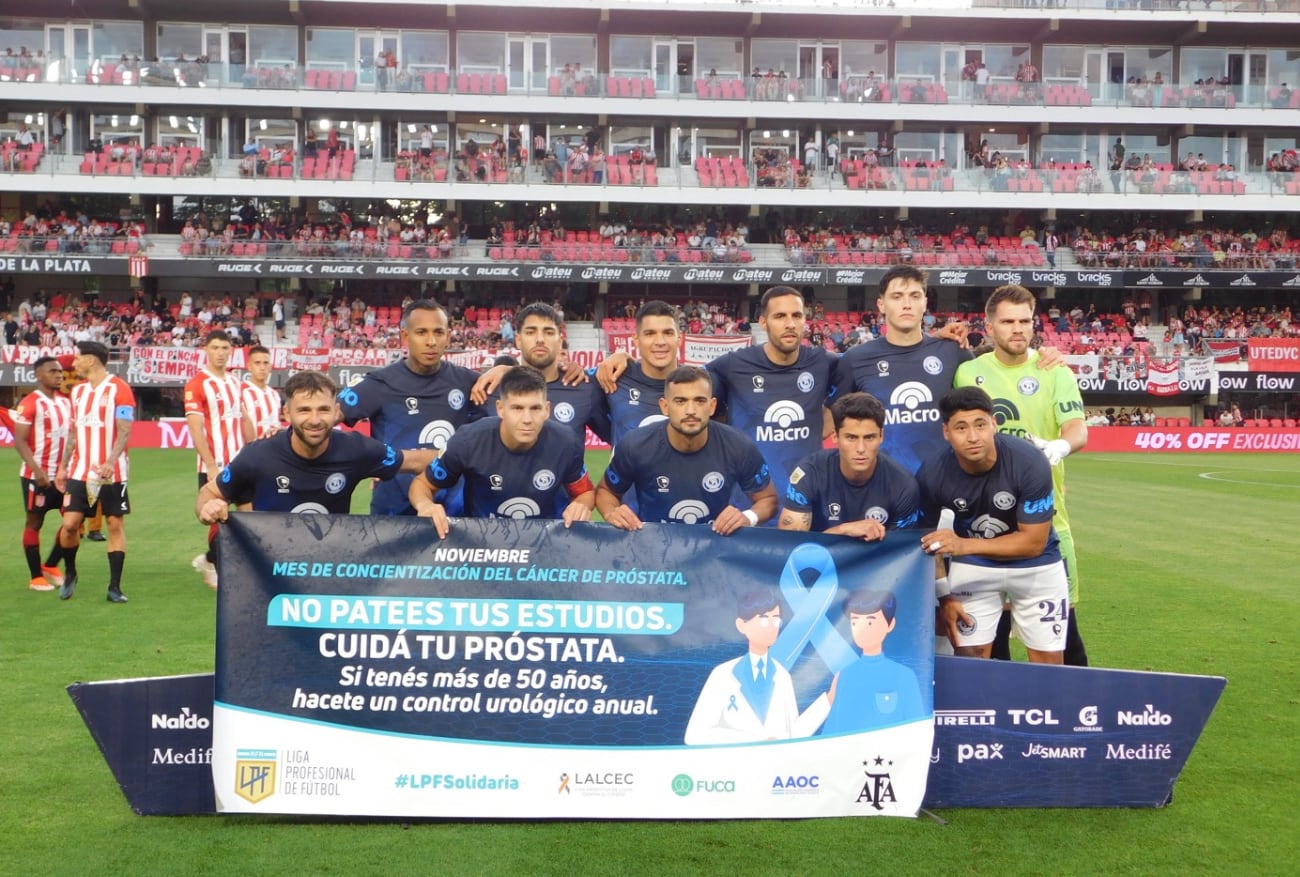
1043, 406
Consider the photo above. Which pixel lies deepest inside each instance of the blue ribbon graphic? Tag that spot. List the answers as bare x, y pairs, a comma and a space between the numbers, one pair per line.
809, 604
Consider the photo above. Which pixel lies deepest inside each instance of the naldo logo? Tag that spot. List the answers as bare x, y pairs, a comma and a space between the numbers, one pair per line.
684, 784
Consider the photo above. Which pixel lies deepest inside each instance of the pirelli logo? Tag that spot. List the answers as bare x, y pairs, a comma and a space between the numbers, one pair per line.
953, 718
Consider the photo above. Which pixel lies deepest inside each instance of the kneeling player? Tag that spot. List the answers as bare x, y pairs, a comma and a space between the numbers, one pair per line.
999, 488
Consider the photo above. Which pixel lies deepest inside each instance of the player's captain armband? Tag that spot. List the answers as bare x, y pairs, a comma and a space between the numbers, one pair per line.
942, 587
124, 412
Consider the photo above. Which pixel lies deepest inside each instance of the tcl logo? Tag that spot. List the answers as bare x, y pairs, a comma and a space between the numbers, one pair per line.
1032, 717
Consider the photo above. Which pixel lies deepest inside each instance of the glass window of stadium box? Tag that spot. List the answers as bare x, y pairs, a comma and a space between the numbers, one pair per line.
633, 56
481, 53
271, 134
1217, 149
424, 51
929, 147
352, 134
572, 59
708, 142
627, 140
331, 49
863, 68
407, 135
697, 57
778, 62
23, 52
95, 52
117, 135
1228, 76
775, 156
1071, 148
272, 57
182, 130
377, 59
1129, 75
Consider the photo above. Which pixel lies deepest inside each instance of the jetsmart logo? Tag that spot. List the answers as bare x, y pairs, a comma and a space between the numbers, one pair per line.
911, 402
783, 421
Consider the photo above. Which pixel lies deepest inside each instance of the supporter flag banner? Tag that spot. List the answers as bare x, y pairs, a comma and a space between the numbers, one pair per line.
703, 349
521, 670
1010, 734
1225, 351
1162, 378
1273, 354
1085, 365
309, 359
163, 365
1198, 368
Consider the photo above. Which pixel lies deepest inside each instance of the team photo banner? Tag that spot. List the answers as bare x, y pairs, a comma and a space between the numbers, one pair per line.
517, 669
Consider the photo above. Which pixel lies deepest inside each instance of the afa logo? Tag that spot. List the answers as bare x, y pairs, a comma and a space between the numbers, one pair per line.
563, 412
688, 511
255, 771
519, 508
878, 789
436, 433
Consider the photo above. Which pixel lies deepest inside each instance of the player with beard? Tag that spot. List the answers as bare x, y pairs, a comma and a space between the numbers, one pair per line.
684, 471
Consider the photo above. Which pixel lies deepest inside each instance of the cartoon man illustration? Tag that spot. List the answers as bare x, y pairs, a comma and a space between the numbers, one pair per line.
751, 698
873, 691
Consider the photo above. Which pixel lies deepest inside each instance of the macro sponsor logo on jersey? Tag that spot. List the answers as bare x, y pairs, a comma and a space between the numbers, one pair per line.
688, 511
989, 527
783, 421
684, 785
435, 434
965, 718
878, 788
1147, 718
518, 508
911, 402
1006, 412
796, 784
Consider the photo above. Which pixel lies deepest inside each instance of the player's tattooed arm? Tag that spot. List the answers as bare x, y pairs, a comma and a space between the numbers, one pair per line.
792, 520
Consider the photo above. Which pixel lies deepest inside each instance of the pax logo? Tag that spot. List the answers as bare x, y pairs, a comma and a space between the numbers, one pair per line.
978, 752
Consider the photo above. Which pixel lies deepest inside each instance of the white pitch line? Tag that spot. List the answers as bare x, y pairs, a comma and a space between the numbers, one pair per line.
1211, 476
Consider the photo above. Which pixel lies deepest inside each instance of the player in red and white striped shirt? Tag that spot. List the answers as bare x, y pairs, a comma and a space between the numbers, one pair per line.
262, 405
95, 464
40, 433
214, 413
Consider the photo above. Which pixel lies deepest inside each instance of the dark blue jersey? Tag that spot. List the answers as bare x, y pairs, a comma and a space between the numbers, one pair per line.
576, 407
407, 410
274, 478
1017, 490
818, 487
685, 488
500, 483
909, 381
778, 406
635, 403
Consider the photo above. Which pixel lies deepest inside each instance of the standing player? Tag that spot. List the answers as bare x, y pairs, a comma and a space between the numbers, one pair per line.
905, 369
419, 402
214, 415
260, 401
1001, 545
852, 489
684, 472
1044, 407
515, 465
40, 434
776, 394
309, 468
634, 400
95, 465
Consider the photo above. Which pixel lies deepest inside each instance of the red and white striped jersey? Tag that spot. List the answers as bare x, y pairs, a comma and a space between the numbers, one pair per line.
262, 405
49, 418
95, 413
218, 400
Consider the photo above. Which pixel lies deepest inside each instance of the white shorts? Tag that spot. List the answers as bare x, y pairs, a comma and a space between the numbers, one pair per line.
1039, 598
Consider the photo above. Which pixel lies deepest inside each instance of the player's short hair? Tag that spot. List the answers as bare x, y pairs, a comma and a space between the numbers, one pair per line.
505, 359
95, 349
420, 304
258, 348
308, 383
901, 272
521, 380
217, 335
654, 308
542, 311
687, 374
1013, 293
857, 406
965, 399
755, 602
777, 292
865, 601
45, 360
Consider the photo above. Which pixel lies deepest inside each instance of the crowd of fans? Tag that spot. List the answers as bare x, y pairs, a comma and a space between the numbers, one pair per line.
50, 229
1148, 247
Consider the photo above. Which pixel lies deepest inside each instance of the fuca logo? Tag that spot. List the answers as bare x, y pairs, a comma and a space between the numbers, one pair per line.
1146, 718
1088, 720
519, 508
911, 402
688, 511
544, 479
336, 482
878, 789
255, 774
436, 433
684, 784
412, 405
796, 785
713, 482
563, 412
186, 720
783, 421
1004, 500
805, 382
1027, 386
456, 399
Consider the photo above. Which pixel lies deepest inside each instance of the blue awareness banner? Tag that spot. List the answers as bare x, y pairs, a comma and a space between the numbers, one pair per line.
522, 669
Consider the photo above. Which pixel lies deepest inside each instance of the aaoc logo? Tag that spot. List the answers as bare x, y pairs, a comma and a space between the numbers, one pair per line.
796, 785
683, 785
1147, 718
